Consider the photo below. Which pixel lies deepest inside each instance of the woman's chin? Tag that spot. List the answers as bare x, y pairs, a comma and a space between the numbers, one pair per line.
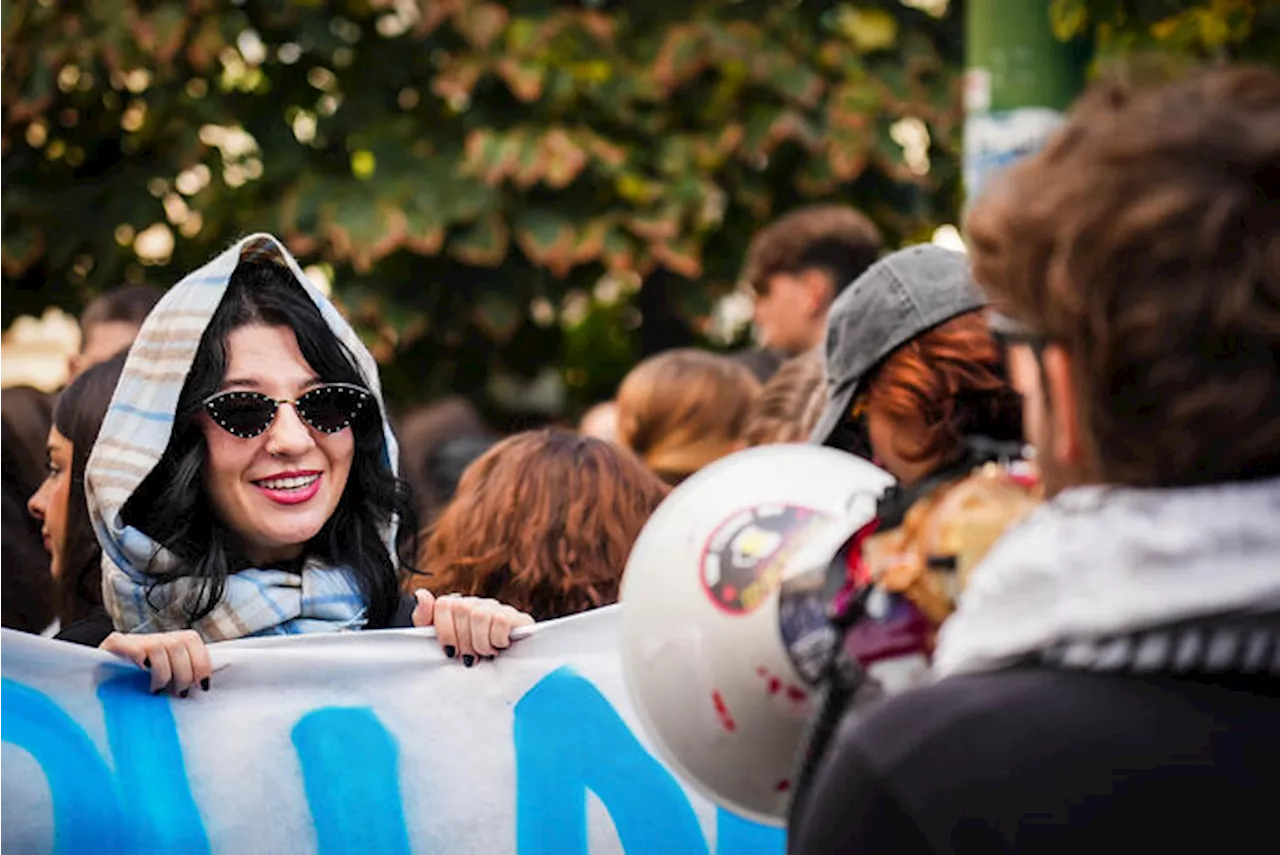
285, 542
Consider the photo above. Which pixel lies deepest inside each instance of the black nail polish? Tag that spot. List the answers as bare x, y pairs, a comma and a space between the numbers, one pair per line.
157, 691
146, 663
204, 684
487, 658
450, 651
468, 660
184, 693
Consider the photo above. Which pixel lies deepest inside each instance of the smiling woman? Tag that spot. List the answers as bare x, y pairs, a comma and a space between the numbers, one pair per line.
276, 494
246, 484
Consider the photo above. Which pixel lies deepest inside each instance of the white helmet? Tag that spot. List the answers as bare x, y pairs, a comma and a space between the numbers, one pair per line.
718, 668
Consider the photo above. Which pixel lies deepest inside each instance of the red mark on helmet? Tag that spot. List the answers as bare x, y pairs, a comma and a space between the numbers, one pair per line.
782, 786
772, 683
795, 693
722, 711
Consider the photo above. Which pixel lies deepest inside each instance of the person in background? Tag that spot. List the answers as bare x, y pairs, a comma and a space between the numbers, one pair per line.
438, 442
913, 373
110, 323
680, 410
244, 481
797, 266
59, 504
544, 521
601, 421
1110, 681
762, 363
27, 599
784, 410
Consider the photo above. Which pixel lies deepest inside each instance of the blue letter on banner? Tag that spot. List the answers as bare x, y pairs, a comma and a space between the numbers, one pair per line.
350, 770
86, 804
149, 767
568, 740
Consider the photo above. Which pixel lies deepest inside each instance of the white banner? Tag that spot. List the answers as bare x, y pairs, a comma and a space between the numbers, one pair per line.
364, 742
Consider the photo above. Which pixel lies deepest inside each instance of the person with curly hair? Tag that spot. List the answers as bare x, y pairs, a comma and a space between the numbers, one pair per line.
543, 521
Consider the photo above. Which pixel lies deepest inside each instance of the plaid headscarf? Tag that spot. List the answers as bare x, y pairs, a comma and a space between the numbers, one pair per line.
133, 438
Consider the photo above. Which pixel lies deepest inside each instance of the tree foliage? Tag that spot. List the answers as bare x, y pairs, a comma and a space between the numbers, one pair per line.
1242, 30
488, 184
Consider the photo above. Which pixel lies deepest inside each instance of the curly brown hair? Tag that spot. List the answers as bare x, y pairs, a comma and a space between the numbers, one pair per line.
1144, 239
543, 521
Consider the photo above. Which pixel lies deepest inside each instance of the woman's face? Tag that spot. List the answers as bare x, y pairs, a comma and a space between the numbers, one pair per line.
275, 491
51, 501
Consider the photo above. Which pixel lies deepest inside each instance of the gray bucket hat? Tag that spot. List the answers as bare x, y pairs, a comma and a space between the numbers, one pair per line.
902, 295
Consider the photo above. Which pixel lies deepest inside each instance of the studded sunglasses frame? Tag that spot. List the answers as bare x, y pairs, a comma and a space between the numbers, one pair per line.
209, 405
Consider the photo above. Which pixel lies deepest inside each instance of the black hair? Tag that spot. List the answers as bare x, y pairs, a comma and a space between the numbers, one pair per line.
78, 415
27, 600
171, 506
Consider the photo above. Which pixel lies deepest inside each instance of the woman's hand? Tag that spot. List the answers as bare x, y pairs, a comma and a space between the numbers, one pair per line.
468, 626
176, 660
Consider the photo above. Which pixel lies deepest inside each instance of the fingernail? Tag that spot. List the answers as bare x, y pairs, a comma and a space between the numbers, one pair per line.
157, 691
468, 660
146, 663
204, 684
487, 658
450, 651
184, 693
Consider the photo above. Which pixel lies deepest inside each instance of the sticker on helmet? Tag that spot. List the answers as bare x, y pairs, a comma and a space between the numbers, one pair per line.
746, 554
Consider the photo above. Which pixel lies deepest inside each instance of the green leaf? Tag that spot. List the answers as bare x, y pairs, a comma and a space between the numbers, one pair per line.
868, 29
499, 315
522, 77
13, 16
484, 244
682, 256
547, 238
1070, 18
481, 23
563, 158
680, 56
21, 248
363, 229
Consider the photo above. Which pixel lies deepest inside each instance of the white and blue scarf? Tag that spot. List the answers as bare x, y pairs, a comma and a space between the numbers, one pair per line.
139, 422
1099, 575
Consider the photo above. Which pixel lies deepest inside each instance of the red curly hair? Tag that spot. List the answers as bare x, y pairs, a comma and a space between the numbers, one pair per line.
952, 381
543, 521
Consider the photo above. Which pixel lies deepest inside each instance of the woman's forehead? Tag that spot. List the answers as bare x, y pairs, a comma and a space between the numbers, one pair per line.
266, 357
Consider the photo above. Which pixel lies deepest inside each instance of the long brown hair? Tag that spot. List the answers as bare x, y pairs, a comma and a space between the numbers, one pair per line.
683, 409
543, 521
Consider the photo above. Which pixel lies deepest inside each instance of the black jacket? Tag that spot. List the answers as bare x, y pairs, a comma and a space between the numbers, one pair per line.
1047, 760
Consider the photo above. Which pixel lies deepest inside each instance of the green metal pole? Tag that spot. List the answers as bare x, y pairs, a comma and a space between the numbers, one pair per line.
1019, 80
